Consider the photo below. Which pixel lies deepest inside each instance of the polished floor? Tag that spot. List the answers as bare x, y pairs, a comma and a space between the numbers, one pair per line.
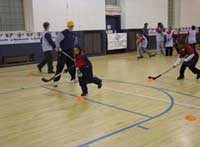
128, 111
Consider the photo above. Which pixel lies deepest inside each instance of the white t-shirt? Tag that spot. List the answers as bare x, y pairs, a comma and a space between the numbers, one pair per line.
159, 35
169, 41
192, 37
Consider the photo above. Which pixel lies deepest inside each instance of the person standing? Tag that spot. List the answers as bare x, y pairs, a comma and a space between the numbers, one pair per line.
65, 42
169, 42
192, 37
47, 46
178, 37
145, 31
160, 38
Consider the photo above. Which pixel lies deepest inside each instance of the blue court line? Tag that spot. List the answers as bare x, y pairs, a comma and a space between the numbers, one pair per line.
131, 83
142, 127
131, 126
197, 97
178, 92
135, 124
112, 106
97, 102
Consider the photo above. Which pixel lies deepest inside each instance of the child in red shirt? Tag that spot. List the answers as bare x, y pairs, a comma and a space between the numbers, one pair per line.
188, 57
85, 73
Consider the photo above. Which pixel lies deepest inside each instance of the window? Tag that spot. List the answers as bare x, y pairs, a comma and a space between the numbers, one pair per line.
111, 2
11, 15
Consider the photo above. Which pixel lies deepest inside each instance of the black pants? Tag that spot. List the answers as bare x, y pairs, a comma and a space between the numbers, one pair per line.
169, 51
191, 65
176, 47
48, 59
61, 61
85, 76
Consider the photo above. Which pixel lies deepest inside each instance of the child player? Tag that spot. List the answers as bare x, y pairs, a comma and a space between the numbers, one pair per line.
142, 43
160, 38
85, 73
188, 57
177, 38
192, 37
169, 42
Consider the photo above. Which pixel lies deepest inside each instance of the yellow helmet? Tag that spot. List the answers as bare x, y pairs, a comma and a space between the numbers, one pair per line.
70, 24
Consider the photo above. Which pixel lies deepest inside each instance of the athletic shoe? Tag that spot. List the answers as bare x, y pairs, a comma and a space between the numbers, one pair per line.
66, 70
139, 57
40, 69
84, 94
55, 84
150, 55
180, 78
100, 85
153, 55
198, 76
73, 81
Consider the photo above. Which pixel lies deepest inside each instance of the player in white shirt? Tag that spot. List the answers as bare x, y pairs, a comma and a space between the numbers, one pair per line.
169, 42
192, 37
160, 38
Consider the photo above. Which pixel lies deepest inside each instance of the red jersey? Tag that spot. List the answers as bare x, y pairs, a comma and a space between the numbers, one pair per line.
81, 60
159, 30
186, 51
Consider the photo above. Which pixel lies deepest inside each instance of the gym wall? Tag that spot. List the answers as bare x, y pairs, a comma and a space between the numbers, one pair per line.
189, 13
136, 12
89, 15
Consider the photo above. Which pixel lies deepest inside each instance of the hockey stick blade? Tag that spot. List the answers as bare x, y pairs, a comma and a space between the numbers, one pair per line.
154, 78
47, 80
52, 78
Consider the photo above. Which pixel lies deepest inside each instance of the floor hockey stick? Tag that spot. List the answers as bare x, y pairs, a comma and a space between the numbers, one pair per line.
57, 75
156, 77
64, 53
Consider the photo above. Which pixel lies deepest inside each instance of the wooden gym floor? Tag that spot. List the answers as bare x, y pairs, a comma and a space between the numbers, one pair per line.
127, 112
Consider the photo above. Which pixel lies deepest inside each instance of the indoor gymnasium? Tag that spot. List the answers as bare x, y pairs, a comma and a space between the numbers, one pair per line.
99, 73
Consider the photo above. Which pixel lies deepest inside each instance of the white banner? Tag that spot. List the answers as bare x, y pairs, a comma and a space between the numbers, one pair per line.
117, 41
21, 38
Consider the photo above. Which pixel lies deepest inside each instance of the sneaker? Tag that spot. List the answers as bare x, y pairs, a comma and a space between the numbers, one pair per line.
55, 84
139, 57
66, 70
73, 81
150, 55
180, 78
40, 69
84, 94
100, 85
198, 76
